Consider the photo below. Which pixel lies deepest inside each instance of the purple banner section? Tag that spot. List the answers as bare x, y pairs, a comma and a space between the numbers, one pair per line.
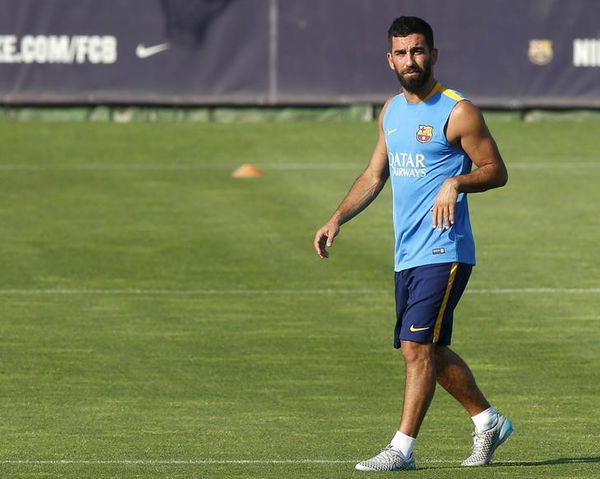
500, 53
134, 51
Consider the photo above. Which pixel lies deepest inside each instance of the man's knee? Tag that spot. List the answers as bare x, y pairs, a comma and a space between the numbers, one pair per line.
417, 352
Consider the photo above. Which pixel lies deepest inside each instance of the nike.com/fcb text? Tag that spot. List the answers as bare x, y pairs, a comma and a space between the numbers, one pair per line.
58, 49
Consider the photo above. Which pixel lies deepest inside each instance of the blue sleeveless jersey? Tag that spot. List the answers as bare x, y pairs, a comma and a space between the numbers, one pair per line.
420, 159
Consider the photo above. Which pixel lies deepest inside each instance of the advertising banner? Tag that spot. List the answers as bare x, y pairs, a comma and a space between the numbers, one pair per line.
500, 53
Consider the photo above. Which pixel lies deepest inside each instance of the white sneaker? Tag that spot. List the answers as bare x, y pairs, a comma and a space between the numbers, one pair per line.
389, 459
486, 442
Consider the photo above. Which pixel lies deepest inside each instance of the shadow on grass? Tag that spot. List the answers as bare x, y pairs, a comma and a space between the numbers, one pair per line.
539, 462
549, 462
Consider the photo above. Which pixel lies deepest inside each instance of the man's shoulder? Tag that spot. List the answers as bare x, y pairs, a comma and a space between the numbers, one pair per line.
450, 93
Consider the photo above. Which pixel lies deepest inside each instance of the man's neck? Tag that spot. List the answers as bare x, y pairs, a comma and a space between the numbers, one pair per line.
421, 94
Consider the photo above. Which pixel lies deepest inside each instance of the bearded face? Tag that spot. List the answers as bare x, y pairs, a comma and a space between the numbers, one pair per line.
412, 60
413, 78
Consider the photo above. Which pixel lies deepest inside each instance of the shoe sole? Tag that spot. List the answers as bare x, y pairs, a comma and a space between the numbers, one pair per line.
358, 467
362, 468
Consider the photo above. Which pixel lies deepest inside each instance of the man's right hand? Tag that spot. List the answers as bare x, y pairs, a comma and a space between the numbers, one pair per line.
324, 239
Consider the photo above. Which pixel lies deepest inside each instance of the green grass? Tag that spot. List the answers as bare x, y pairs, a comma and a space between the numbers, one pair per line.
207, 373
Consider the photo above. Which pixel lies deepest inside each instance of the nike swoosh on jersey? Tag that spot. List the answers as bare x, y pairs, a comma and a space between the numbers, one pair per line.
389, 132
416, 330
143, 51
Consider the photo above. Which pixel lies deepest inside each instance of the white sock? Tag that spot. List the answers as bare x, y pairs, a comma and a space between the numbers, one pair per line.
485, 419
405, 444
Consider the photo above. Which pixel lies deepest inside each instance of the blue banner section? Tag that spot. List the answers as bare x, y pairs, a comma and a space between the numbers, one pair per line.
500, 53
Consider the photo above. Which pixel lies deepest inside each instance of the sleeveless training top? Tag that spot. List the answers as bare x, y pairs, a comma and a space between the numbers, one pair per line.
420, 159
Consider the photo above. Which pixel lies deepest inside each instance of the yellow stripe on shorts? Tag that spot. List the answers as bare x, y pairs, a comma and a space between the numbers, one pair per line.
440, 316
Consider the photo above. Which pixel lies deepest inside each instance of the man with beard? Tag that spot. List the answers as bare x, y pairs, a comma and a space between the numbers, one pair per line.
429, 136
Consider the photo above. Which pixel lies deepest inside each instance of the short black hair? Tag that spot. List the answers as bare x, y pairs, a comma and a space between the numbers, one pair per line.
404, 26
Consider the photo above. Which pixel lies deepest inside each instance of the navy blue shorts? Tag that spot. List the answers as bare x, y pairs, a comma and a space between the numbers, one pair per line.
425, 300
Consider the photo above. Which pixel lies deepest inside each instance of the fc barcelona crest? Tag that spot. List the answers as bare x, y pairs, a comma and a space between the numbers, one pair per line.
424, 133
540, 51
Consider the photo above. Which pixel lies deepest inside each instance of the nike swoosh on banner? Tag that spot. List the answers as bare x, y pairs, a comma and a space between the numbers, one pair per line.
142, 51
416, 330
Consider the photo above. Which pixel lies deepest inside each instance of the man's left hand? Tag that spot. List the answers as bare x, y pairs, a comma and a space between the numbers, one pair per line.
445, 205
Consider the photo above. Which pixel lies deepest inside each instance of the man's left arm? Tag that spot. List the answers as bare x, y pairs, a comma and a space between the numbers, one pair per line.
467, 129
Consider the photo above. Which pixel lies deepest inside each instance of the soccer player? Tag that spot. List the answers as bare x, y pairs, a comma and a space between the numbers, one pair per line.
429, 137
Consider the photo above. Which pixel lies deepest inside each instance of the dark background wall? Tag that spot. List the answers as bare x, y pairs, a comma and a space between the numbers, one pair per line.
504, 53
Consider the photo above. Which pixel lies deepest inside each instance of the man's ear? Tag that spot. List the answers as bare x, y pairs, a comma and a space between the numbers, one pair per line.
390, 62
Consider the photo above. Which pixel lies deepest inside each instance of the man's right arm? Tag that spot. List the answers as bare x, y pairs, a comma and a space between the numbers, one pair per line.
363, 191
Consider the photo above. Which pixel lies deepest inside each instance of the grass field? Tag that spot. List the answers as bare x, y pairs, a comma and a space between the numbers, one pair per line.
161, 319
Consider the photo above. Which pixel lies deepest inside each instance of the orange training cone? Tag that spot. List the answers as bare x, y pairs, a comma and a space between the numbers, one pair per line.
247, 171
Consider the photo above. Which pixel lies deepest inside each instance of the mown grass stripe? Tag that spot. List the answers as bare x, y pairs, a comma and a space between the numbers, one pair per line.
281, 292
266, 166
204, 462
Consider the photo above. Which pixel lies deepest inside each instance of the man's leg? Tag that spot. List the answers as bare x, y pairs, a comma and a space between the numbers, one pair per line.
491, 429
419, 387
425, 299
454, 376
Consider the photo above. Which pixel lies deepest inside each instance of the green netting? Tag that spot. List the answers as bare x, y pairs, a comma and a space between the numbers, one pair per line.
562, 115
341, 113
227, 114
503, 115
51, 114
159, 113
